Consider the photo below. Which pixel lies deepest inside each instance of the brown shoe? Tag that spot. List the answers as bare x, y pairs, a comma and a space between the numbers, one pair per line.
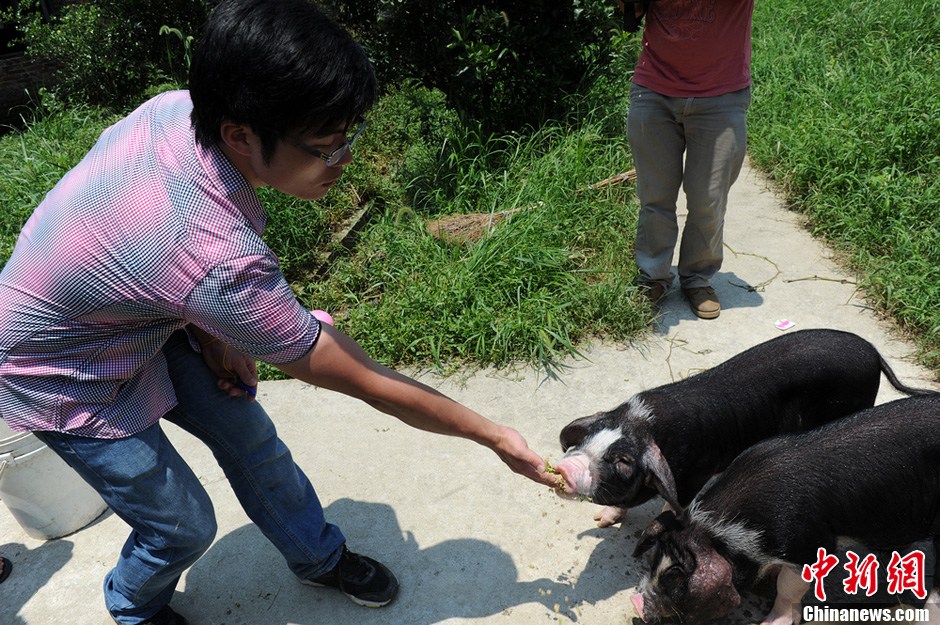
654, 292
703, 301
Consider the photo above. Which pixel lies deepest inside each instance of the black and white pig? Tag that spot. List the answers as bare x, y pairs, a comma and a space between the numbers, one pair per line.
673, 438
873, 478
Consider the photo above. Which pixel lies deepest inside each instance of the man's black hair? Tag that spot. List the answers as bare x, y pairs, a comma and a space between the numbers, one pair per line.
280, 66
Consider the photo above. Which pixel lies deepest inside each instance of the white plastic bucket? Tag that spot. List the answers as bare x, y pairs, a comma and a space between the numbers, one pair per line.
44, 494
6, 432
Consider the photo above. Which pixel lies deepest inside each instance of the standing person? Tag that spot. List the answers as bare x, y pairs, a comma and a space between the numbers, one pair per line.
160, 294
689, 97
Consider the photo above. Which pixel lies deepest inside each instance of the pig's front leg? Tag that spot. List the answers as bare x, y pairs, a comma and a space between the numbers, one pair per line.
790, 591
608, 515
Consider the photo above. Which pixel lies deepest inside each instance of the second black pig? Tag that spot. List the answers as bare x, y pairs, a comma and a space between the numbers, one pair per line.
873, 477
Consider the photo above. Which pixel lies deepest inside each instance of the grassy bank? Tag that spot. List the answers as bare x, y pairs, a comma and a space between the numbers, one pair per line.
846, 118
554, 272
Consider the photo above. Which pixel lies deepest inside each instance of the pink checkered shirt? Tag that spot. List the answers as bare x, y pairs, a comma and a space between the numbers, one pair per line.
148, 233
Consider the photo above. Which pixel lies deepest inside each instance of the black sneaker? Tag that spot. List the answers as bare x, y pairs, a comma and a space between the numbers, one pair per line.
166, 616
365, 581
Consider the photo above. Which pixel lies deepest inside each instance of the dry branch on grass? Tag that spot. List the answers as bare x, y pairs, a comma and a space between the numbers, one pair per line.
472, 227
627, 176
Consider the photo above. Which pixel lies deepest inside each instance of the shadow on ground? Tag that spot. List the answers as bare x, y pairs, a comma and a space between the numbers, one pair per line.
31, 571
246, 578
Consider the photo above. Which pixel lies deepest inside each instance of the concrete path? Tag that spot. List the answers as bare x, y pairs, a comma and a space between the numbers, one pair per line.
470, 542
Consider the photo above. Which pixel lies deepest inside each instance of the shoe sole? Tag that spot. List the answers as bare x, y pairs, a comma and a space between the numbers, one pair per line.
357, 600
706, 315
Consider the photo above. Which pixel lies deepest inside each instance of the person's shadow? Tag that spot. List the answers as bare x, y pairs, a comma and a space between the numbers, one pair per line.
242, 579
32, 569
733, 292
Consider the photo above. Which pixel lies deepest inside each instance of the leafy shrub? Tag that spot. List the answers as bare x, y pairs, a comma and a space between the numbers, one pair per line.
503, 63
107, 52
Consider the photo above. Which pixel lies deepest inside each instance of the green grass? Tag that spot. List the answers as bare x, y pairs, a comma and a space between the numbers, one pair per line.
846, 118
559, 272
555, 273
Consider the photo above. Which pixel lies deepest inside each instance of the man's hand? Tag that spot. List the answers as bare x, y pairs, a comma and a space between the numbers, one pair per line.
513, 450
237, 373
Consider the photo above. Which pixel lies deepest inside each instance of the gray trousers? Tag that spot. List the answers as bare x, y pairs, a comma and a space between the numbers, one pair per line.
712, 135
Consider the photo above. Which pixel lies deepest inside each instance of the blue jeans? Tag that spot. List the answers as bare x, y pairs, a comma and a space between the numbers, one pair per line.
149, 485
711, 135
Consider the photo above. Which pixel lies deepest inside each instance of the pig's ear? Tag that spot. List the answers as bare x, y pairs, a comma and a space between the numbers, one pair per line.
659, 475
573, 433
713, 582
665, 521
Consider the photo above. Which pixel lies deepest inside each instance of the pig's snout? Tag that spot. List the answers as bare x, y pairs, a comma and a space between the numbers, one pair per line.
575, 470
637, 600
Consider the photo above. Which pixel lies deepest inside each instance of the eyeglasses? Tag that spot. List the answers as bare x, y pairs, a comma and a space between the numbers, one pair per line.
337, 155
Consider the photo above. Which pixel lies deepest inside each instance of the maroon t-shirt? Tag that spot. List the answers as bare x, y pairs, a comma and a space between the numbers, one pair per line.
696, 48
